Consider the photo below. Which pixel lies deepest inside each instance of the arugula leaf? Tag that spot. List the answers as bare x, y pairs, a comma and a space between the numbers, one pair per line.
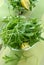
16, 4
16, 33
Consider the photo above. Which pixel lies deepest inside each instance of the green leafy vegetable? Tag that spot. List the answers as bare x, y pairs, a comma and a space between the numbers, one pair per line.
16, 57
16, 4
16, 33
